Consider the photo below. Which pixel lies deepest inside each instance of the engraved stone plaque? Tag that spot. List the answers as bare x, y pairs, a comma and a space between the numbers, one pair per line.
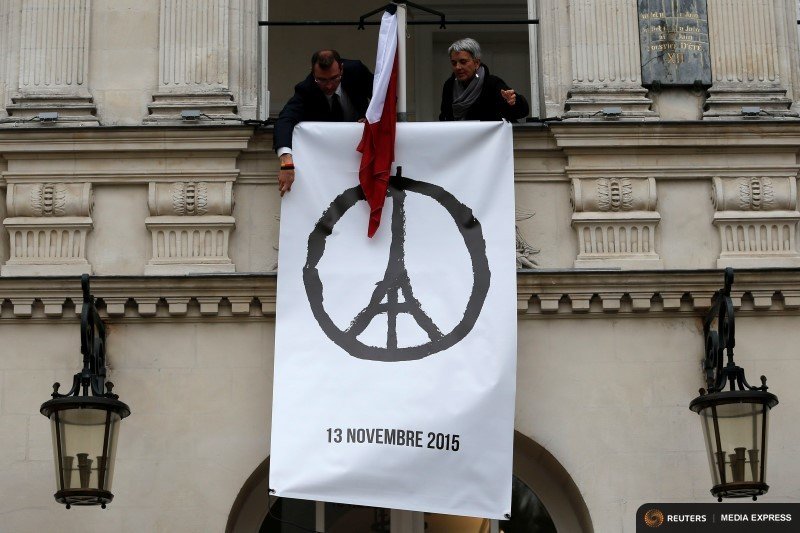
673, 37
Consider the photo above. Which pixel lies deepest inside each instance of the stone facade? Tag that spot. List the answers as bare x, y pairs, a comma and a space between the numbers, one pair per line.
623, 222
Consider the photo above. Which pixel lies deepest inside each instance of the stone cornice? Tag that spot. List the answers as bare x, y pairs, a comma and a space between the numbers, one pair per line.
554, 136
683, 172
540, 294
602, 293
22, 142
125, 176
240, 296
676, 135
543, 152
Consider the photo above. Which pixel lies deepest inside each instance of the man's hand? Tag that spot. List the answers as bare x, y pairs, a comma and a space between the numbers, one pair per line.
509, 96
285, 177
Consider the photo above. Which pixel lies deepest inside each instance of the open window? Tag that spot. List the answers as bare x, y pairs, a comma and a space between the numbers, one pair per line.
507, 48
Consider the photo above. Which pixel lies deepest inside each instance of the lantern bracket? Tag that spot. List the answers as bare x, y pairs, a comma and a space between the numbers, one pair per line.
720, 343
92, 378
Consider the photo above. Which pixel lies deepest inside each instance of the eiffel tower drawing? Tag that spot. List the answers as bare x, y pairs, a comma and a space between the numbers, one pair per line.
386, 296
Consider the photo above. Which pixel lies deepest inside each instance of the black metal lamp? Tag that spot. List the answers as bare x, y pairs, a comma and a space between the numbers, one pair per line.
85, 421
735, 421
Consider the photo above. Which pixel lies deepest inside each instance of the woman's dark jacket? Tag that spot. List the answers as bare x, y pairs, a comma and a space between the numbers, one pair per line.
490, 105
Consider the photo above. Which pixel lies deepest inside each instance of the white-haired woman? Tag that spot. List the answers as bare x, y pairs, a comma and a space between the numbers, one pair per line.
471, 93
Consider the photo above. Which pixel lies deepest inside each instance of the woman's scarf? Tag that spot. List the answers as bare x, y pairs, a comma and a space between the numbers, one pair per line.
465, 96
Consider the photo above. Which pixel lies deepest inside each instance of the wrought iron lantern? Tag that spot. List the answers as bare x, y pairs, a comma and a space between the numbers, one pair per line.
735, 421
85, 421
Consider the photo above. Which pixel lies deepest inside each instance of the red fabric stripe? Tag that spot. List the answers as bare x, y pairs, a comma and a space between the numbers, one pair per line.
377, 155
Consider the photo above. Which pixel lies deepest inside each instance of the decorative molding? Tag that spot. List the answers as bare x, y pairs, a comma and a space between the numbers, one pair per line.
540, 294
187, 245
748, 40
190, 227
757, 219
54, 62
166, 107
47, 226
606, 70
47, 246
615, 221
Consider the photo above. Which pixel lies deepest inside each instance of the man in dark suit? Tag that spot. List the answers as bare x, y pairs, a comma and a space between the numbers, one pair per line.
336, 90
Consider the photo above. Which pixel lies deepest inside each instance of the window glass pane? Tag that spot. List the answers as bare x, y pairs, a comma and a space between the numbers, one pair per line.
442, 523
341, 518
528, 514
286, 514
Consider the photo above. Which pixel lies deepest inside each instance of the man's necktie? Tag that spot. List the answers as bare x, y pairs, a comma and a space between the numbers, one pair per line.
337, 113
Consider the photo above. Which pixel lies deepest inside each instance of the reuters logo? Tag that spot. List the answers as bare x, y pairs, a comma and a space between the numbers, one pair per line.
653, 518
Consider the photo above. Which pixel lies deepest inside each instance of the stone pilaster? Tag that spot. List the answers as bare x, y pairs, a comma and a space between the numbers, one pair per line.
749, 58
554, 50
615, 221
5, 50
263, 99
53, 61
195, 60
606, 70
47, 224
790, 16
757, 220
190, 225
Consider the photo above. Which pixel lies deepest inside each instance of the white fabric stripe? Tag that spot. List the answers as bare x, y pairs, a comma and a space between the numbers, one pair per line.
387, 48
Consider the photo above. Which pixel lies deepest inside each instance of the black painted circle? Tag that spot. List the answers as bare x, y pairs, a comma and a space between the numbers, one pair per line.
471, 232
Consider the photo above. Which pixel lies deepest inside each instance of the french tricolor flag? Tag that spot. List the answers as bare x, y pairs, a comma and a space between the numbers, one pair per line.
377, 142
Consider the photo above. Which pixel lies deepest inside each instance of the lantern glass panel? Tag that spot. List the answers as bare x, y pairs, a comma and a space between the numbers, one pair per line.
736, 442
88, 439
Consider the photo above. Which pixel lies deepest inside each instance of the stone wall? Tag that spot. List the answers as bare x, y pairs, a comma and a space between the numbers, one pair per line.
616, 354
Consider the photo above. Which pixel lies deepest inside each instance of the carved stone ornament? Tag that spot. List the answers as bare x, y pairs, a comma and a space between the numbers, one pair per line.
525, 252
49, 199
615, 222
613, 194
757, 220
190, 198
47, 225
754, 194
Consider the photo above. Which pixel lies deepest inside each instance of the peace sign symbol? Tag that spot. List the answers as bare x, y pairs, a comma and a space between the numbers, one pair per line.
396, 280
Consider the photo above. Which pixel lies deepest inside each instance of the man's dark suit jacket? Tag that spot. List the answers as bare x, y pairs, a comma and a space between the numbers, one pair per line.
309, 102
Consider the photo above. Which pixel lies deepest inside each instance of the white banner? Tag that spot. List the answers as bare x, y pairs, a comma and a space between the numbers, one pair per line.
395, 357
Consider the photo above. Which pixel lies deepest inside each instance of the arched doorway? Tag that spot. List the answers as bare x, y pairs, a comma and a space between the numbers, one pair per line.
544, 499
